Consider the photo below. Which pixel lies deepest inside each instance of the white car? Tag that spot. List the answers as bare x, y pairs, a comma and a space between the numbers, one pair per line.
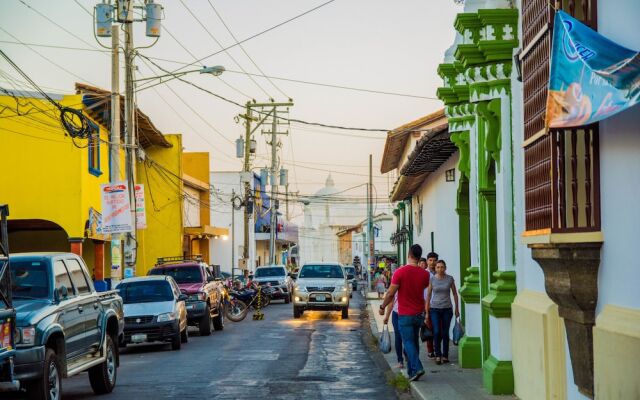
321, 286
154, 310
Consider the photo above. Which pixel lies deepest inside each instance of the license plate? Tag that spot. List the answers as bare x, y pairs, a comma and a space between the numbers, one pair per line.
321, 297
139, 338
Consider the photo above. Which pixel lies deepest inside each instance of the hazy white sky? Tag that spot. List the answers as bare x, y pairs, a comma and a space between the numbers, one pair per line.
392, 46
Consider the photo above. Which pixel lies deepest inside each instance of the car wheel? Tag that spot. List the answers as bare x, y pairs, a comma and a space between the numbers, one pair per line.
218, 320
205, 322
49, 386
176, 341
103, 377
296, 312
184, 335
345, 312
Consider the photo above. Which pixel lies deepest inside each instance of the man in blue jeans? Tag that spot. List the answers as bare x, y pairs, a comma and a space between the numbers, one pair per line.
409, 282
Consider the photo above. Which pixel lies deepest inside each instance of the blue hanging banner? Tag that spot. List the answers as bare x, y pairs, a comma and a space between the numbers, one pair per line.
591, 77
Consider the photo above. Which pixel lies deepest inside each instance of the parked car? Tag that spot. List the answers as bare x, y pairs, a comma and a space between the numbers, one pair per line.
64, 327
321, 286
204, 303
350, 270
277, 278
154, 311
7, 312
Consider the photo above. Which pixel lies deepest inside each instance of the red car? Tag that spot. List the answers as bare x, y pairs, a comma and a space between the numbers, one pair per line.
205, 302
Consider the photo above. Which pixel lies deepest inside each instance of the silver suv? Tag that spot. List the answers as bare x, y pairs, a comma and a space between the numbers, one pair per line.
276, 277
321, 286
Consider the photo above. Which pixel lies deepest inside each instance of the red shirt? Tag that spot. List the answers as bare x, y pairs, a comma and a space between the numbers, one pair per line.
412, 280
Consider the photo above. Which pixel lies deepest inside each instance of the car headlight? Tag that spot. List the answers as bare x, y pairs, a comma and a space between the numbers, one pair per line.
170, 316
25, 336
301, 288
340, 288
200, 296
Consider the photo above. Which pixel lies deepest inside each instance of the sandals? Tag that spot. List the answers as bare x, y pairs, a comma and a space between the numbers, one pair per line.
445, 360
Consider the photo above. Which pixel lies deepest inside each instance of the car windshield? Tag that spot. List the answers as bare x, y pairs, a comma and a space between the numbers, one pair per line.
29, 279
321, 271
267, 272
180, 274
145, 292
350, 270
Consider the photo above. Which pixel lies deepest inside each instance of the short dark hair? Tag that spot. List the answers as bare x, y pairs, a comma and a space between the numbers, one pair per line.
432, 255
423, 259
415, 251
443, 263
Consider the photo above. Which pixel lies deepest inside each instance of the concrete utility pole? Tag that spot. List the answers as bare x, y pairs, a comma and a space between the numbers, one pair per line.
372, 254
233, 233
114, 137
130, 246
247, 185
274, 187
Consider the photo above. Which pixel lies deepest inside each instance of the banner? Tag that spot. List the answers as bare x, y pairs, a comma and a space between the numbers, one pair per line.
591, 77
141, 215
116, 208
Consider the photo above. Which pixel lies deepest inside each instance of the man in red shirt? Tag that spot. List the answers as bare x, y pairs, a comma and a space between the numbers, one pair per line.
409, 281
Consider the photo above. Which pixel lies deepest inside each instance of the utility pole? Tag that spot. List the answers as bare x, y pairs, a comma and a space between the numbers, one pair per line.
233, 234
274, 187
130, 143
372, 256
247, 185
114, 137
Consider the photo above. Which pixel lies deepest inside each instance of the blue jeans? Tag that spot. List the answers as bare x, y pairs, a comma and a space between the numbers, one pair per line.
441, 318
409, 326
397, 337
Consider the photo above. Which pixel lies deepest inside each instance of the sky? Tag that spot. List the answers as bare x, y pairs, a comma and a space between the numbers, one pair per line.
369, 44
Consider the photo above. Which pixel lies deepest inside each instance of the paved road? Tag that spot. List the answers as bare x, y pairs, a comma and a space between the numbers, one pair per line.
318, 356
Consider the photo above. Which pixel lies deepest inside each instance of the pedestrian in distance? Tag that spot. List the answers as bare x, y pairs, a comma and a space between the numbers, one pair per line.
380, 283
409, 282
423, 263
440, 310
430, 265
392, 310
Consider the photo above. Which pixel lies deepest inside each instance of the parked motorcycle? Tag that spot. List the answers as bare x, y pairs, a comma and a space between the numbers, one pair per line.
234, 308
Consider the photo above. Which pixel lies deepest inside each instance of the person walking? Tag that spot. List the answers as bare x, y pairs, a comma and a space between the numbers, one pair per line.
430, 265
392, 310
409, 282
380, 283
440, 310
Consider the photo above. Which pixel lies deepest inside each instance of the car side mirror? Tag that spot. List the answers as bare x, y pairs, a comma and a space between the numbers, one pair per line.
62, 292
183, 297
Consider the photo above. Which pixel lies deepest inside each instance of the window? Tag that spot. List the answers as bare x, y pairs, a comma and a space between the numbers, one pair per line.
94, 152
77, 277
321, 271
29, 280
62, 277
145, 292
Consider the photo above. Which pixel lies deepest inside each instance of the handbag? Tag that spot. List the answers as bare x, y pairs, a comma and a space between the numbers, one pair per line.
385, 340
426, 332
458, 332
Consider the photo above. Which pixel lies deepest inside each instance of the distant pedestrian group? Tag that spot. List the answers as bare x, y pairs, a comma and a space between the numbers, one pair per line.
419, 298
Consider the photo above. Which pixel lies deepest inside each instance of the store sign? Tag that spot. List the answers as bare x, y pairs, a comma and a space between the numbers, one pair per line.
116, 208
591, 77
141, 215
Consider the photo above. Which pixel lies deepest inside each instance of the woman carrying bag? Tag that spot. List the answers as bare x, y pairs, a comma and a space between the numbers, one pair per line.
440, 310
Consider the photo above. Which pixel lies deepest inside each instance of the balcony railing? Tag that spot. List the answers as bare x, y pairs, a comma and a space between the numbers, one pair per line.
562, 180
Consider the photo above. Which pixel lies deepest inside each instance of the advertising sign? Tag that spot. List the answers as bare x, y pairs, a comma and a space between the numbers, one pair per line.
141, 215
591, 77
116, 259
116, 208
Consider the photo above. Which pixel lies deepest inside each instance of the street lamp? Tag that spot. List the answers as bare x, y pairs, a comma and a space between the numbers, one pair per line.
215, 71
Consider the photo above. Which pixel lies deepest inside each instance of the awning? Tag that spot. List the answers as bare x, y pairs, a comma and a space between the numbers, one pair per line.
98, 102
431, 151
206, 231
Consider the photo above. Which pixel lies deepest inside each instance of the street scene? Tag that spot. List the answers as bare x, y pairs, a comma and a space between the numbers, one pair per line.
320, 199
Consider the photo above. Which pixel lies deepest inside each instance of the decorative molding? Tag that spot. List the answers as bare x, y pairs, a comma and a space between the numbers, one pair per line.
570, 279
501, 294
497, 376
470, 291
470, 352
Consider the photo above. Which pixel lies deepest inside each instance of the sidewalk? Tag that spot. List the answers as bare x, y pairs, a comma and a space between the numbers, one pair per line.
441, 382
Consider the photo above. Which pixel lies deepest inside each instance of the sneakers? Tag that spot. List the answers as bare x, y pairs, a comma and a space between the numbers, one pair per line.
417, 375
431, 355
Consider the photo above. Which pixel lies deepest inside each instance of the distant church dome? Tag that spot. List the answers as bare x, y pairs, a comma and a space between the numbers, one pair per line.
329, 189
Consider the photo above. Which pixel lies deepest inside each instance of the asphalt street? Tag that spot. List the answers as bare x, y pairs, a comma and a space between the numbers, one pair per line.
319, 356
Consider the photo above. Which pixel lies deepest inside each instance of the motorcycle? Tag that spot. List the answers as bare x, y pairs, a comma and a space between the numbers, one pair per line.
252, 294
234, 308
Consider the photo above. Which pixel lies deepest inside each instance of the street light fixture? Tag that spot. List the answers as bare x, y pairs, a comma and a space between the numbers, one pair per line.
215, 71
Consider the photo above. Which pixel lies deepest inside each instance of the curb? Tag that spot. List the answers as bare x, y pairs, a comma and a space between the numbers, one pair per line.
415, 393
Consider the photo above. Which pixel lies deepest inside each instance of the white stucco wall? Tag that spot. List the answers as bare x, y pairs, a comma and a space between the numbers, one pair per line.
191, 207
438, 199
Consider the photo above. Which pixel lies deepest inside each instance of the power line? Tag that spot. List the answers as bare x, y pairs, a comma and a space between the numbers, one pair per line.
244, 50
50, 46
225, 51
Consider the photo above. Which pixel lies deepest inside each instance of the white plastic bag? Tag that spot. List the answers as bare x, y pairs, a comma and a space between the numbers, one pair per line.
385, 340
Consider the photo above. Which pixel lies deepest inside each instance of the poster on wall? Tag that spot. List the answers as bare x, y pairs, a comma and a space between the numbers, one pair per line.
141, 215
591, 77
116, 259
116, 208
